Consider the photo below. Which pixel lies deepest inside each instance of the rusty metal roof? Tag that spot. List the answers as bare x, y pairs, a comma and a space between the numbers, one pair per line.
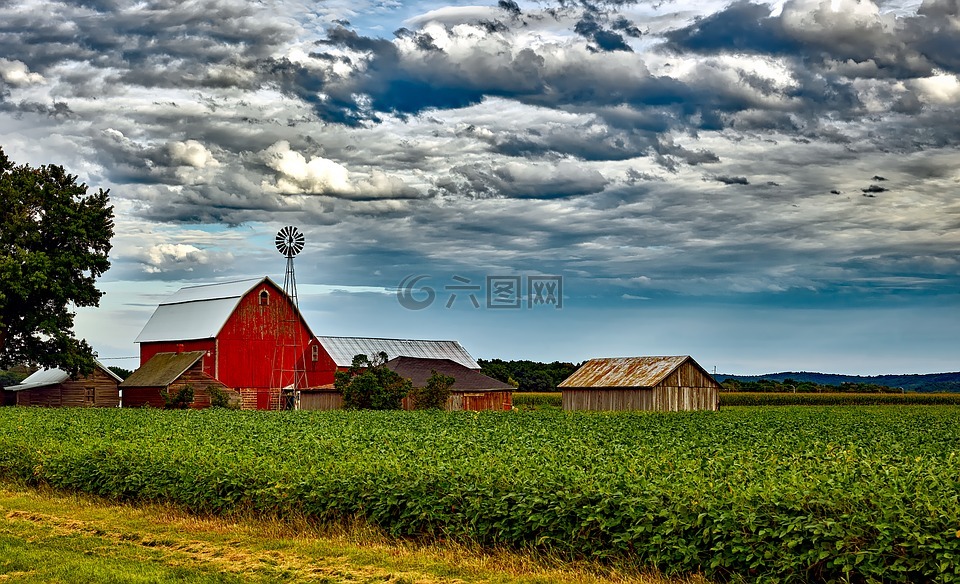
162, 369
418, 371
343, 349
623, 372
47, 377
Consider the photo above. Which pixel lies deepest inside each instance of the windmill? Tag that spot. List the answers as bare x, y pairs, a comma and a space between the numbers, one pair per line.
288, 372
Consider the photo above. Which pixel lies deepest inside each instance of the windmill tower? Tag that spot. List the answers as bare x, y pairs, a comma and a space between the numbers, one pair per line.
288, 368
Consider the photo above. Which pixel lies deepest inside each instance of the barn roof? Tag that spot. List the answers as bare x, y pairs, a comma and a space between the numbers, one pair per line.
162, 369
624, 372
418, 370
47, 377
343, 349
197, 312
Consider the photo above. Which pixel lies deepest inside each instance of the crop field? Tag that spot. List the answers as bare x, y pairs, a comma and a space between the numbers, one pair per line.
791, 494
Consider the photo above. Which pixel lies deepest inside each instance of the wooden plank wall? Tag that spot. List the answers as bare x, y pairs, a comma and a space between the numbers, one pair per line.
480, 401
607, 399
321, 400
688, 375
660, 399
681, 399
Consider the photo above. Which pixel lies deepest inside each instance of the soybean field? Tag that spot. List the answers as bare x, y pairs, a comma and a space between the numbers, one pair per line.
787, 494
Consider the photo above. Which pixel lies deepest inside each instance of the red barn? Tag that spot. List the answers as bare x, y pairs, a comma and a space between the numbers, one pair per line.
243, 328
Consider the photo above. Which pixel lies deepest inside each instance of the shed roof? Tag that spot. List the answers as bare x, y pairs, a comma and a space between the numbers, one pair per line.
197, 312
624, 371
418, 370
162, 369
343, 349
47, 377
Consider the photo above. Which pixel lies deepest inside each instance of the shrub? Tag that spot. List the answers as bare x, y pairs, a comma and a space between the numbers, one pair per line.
434, 395
178, 401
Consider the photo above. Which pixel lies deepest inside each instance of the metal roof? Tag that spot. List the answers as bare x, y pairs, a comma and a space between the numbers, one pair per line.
418, 371
162, 369
235, 289
46, 377
343, 349
196, 312
623, 372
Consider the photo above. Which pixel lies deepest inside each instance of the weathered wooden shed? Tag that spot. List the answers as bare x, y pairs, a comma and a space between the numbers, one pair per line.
54, 388
471, 390
664, 384
241, 326
171, 372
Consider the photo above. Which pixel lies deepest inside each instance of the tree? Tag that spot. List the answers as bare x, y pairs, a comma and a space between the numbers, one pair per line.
433, 396
54, 241
370, 385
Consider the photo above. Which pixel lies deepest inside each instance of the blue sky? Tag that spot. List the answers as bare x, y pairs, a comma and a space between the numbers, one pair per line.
766, 187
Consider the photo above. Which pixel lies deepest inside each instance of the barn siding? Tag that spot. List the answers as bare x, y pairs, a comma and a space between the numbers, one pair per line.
607, 399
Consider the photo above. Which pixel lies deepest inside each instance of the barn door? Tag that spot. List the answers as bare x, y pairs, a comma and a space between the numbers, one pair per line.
263, 400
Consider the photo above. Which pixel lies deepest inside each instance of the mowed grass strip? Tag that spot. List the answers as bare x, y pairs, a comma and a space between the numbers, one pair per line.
47, 536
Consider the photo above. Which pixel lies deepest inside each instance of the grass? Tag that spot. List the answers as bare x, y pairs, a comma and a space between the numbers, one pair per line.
50, 536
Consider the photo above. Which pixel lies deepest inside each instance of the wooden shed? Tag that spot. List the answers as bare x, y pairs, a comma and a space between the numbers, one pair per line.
663, 384
471, 390
54, 388
171, 372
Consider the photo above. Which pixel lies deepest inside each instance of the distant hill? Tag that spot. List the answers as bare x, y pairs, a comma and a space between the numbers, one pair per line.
927, 382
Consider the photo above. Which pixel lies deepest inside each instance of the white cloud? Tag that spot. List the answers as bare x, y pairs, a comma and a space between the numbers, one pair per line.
191, 153
167, 257
940, 89
16, 73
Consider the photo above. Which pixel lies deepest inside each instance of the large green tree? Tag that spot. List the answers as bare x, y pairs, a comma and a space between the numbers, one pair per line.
54, 241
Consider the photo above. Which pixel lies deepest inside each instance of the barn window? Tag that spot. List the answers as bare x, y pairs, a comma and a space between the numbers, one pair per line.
264, 298
315, 353
91, 395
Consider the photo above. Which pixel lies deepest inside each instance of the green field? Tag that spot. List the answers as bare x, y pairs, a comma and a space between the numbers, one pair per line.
794, 494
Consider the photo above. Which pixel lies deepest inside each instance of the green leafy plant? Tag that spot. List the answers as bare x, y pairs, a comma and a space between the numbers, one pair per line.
219, 398
788, 494
434, 395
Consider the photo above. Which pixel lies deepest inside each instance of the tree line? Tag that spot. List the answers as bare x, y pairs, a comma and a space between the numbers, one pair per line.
789, 385
528, 375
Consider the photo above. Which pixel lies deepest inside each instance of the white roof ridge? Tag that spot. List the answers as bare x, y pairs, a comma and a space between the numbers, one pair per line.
172, 298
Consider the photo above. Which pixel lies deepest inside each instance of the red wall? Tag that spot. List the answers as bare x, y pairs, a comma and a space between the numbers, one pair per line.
242, 355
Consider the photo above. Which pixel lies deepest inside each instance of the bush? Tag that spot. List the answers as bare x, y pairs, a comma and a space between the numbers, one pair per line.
180, 400
434, 395
220, 398
370, 385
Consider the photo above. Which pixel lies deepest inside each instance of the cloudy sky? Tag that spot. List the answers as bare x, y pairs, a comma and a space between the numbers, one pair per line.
766, 187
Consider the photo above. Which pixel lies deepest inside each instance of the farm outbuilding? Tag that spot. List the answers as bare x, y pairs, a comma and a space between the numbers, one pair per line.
169, 373
240, 326
641, 383
471, 390
54, 388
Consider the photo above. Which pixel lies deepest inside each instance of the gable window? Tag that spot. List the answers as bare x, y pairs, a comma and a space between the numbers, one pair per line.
264, 298
315, 353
